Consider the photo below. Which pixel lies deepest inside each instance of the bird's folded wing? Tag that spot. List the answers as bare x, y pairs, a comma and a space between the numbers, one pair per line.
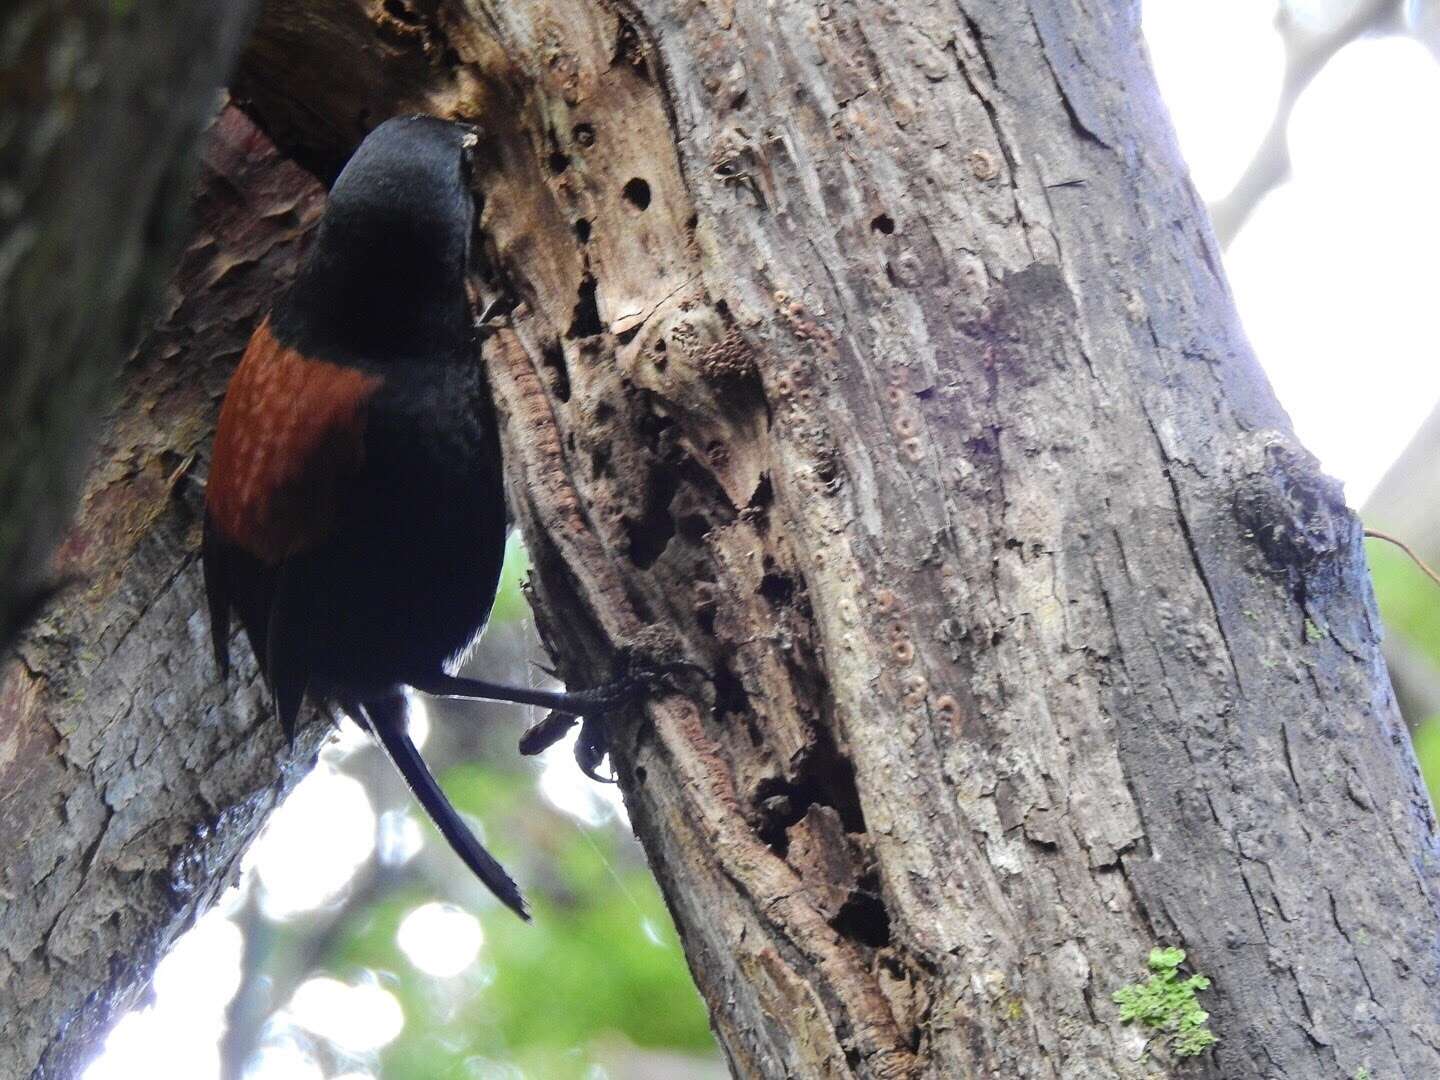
291, 433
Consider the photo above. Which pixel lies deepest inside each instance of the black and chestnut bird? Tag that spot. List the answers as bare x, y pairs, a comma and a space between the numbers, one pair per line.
355, 516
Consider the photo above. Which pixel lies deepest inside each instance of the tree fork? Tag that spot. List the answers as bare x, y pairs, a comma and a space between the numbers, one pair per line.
876, 357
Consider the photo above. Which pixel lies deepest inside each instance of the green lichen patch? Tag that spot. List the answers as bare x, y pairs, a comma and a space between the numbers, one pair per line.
1167, 1004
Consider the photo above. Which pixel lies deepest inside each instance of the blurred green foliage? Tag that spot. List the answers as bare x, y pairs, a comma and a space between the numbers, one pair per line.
600, 959
1410, 607
1409, 601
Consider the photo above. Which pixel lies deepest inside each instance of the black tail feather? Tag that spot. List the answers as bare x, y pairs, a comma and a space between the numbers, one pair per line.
287, 661
217, 595
386, 718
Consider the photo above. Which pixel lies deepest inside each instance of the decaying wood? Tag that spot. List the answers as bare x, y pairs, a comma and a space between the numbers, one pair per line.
129, 779
875, 356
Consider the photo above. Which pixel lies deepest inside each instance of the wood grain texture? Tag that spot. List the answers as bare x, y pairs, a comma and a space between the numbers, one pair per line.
1038, 640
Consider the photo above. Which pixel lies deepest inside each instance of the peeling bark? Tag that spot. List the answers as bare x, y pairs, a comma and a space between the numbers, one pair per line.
875, 355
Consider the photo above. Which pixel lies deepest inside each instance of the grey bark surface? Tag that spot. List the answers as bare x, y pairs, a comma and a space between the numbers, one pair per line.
876, 356
129, 779
100, 106
1018, 534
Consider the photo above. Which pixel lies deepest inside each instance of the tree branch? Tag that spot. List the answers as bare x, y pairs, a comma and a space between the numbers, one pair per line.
1306, 54
1405, 504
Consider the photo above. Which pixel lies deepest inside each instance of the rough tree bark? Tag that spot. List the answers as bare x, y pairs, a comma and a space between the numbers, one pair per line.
100, 106
129, 780
875, 354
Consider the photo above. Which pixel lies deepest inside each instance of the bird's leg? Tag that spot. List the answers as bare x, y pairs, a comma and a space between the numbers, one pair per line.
590, 748
592, 705
576, 703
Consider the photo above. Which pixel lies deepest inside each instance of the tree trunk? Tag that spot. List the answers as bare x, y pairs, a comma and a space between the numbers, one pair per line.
100, 106
130, 780
1037, 639
876, 357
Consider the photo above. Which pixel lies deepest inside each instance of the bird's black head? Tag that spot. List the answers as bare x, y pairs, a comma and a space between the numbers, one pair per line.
385, 279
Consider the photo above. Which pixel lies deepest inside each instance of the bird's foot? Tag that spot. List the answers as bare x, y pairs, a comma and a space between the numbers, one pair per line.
594, 706
591, 748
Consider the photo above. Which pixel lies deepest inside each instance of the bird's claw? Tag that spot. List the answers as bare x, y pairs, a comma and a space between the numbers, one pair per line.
643, 676
593, 744
593, 706
545, 733
591, 747
639, 678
